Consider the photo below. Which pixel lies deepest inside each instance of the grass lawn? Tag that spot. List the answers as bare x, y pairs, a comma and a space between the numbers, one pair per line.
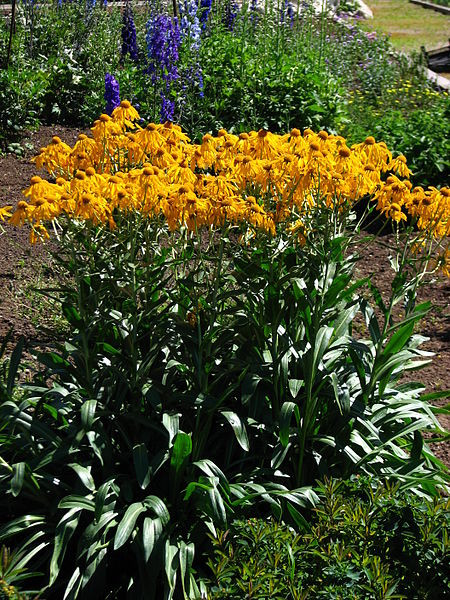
409, 26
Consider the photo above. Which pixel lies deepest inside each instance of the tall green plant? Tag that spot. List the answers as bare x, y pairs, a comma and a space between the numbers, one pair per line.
210, 376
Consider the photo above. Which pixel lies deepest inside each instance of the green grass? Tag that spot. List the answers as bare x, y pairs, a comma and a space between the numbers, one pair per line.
409, 26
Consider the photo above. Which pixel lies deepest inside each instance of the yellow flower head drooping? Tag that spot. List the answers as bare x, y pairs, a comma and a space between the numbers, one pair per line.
150, 139
125, 114
22, 214
105, 127
265, 145
399, 166
5, 212
173, 132
257, 180
375, 153
55, 157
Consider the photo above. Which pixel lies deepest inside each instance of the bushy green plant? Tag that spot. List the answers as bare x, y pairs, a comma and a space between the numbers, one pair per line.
419, 129
22, 94
364, 540
206, 379
253, 82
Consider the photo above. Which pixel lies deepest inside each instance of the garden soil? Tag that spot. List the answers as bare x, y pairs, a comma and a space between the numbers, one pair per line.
24, 269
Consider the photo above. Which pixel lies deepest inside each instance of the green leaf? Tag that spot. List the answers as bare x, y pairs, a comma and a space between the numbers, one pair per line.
182, 448
73, 587
371, 321
109, 349
84, 473
321, 344
18, 478
285, 420
20, 524
63, 532
186, 557
100, 497
159, 507
14, 365
88, 413
417, 446
300, 521
126, 525
238, 427
212, 470
172, 424
399, 339
141, 465
80, 502
279, 454
435, 395
171, 567
151, 532
341, 395
295, 385
217, 504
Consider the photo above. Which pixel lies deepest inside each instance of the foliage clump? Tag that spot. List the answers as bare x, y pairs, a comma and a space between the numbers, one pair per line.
211, 372
363, 540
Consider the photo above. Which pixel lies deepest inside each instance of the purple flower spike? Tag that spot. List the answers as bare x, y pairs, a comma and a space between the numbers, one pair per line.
167, 109
163, 42
205, 9
230, 14
129, 44
112, 94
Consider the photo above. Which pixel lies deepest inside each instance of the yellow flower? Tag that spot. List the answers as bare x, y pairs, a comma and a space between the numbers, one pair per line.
4, 212
38, 233
105, 127
21, 214
125, 114
399, 165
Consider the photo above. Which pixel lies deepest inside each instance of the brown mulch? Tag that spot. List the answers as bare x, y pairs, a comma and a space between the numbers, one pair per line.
23, 268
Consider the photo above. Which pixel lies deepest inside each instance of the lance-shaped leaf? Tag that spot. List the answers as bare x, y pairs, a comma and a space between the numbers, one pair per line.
238, 427
64, 531
126, 525
181, 449
285, 420
141, 465
151, 532
18, 478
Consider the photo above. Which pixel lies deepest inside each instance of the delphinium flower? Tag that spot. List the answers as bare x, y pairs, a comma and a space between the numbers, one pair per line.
112, 94
129, 43
167, 108
163, 43
287, 14
29, 10
190, 23
254, 12
190, 30
89, 7
205, 9
230, 14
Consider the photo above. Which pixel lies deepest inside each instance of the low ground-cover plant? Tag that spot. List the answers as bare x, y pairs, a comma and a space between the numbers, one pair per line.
212, 372
363, 540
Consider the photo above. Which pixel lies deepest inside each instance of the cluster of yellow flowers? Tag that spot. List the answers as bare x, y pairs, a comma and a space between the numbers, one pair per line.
258, 178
